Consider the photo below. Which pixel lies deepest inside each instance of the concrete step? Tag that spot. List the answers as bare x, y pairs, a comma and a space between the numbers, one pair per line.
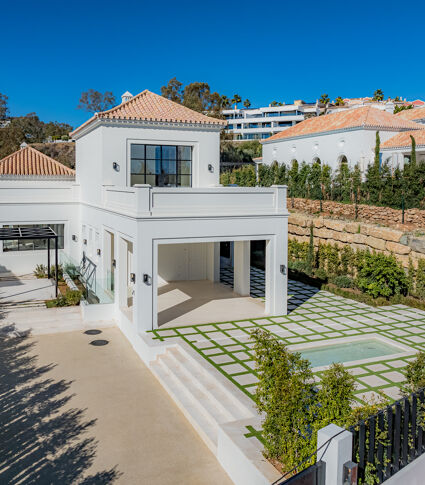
222, 399
189, 385
206, 429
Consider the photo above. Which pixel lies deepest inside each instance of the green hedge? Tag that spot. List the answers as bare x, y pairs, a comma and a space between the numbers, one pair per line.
382, 185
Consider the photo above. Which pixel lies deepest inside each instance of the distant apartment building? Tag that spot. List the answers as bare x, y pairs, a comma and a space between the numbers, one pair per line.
261, 123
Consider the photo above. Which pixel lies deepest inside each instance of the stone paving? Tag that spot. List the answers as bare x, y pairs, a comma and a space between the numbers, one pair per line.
313, 316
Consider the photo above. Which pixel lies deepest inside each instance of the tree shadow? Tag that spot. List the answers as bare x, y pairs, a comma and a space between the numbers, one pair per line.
40, 442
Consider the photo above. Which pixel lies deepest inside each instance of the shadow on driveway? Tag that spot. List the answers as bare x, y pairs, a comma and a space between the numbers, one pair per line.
40, 442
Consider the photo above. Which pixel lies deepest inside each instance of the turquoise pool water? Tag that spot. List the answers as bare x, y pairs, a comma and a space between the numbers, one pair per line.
362, 349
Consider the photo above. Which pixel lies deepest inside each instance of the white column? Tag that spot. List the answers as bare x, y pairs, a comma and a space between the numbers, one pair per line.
338, 452
213, 261
277, 274
242, 260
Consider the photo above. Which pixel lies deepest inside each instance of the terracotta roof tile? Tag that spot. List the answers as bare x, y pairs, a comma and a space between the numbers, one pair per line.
29, 161
148, 106
412, 114
365, 116
403, 140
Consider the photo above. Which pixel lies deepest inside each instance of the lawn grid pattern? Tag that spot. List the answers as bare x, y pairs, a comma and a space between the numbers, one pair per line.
313, 315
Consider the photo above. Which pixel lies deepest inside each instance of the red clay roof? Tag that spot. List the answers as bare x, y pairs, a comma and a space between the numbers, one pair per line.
363, 117
412, 114
148, 106
403, 140
29, 161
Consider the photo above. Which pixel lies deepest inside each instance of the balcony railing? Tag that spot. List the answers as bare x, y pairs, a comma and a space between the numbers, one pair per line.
144, 200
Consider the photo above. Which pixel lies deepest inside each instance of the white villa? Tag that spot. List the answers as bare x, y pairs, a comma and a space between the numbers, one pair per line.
144, 208
347, 136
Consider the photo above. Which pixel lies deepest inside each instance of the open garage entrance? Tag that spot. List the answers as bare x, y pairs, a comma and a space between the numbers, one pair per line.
189, 288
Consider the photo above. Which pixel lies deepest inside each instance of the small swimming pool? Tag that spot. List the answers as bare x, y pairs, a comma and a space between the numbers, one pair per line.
347, 352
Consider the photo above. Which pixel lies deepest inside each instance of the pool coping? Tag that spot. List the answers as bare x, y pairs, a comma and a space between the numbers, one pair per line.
408, 351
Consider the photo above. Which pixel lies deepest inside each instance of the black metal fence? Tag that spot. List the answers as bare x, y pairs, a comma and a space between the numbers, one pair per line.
391, 439
313, 475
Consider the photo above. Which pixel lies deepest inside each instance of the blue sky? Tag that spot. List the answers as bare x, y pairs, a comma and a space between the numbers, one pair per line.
52, 51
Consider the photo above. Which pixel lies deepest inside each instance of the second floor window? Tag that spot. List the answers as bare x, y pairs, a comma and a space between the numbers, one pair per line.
161, 165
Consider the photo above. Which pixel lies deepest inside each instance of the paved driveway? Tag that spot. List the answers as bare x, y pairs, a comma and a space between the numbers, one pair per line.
29, 289
73, 413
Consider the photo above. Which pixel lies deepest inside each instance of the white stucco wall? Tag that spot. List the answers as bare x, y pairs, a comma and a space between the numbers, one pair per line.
98, 149
357, 145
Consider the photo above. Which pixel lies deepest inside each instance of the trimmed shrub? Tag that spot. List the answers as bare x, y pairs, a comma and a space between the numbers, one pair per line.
343, 281
381, 275
414, 373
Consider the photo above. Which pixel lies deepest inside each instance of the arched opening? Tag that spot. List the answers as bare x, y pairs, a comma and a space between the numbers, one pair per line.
342, 161
317, 160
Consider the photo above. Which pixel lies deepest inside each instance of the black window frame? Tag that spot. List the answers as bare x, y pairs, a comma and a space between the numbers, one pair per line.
161, 175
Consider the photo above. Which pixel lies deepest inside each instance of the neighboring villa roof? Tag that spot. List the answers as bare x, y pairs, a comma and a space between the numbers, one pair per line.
364, 117
412, 114
403, 140
148, 106
30, 162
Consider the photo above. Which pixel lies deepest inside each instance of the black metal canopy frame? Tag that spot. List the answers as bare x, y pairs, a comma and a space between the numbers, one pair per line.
19, 233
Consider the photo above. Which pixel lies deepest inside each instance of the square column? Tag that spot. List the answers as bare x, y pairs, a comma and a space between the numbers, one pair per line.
242, 263
213, 261
276, 275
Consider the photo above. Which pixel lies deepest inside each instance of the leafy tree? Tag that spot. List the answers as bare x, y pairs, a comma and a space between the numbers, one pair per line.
4, 109
94, 101
276, 103
414, 373
339, 101
198, 96
378, 95
314, 181
173, 90
247, 103
324, 99
413, 152
236, 100
399, 108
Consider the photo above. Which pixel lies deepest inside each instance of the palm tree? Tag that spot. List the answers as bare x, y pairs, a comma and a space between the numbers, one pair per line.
247, 103
236, 100
324, 99
339, 101
225, 102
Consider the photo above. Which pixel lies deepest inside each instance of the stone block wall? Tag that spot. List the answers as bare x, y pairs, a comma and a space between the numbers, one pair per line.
359, 235
413, 218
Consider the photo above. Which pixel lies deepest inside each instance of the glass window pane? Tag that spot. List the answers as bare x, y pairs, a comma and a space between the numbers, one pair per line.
153, 166
169, 152
137, 166
153, 152
168, 166
185, 153
151, 180
185, 167
184, 180
166, 180
137, 179
137, 151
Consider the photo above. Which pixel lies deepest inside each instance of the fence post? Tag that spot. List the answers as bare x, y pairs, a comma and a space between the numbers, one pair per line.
336, 453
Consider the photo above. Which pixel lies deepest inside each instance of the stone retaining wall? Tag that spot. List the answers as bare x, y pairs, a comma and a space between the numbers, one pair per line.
358, 235
413, 218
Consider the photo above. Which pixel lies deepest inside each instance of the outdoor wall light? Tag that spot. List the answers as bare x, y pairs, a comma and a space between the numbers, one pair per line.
115, 166
114, 263
98, 251
147, 279
210, 168
84, 241
350, 472
132, 277
74, 237
283, 269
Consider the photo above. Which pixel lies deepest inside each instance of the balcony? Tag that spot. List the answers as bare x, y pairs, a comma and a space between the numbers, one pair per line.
147, 201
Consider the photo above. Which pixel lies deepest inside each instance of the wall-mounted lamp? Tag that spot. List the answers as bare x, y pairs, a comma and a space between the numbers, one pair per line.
147, 279
114, 263
98, 251
210, 168
115, 166
350, 472
132, 278
85, 241
283, 269
74, 237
